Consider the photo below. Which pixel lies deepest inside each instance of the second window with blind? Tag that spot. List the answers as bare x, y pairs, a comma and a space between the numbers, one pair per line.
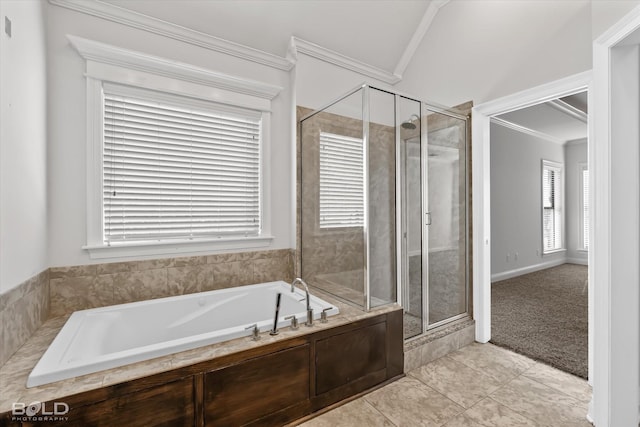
341, 181
584, 206
552, 207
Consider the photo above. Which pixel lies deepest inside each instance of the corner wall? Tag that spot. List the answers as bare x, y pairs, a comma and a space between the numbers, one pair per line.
24, 274
23, 144
516, 202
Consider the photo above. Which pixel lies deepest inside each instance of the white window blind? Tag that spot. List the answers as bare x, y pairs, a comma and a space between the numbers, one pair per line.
551, 206
175, 172
341, 181
585, 207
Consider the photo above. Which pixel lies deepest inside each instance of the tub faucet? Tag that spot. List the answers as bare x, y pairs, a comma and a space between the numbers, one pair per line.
309, 321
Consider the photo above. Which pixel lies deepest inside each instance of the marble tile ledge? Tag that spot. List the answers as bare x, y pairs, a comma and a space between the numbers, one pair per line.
14, 373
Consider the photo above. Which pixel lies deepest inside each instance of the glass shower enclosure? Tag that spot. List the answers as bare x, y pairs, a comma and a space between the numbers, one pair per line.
383, 205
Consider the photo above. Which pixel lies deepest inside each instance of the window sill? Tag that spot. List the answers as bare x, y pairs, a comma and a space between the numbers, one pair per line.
141, 249
555, 251
586, 251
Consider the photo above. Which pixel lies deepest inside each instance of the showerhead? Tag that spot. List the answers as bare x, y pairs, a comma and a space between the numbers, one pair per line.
408, 124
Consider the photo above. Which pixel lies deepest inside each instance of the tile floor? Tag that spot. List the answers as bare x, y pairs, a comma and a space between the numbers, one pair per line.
480, 385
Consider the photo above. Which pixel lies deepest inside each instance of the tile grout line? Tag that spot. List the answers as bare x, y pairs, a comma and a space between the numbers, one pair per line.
442, 394
518, 411
490, 396
553, 388
484, 373
525, 416
377, 410
487, 397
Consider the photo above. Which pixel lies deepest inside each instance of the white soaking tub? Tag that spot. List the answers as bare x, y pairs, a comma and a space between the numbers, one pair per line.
108, 337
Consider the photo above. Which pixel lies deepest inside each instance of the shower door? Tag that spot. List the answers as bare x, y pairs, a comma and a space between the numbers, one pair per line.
433, 188
446, 216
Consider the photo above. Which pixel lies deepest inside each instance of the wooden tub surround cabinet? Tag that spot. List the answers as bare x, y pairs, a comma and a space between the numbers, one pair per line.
268, 384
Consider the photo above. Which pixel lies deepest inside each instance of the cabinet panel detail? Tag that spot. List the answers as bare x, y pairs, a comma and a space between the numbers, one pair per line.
344, 358
170, 404
243, 393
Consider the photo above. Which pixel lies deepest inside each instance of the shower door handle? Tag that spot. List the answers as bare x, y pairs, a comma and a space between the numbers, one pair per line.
427, 218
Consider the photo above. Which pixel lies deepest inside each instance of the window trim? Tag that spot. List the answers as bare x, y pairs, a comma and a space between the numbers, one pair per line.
109, 64
582, 166
560, 168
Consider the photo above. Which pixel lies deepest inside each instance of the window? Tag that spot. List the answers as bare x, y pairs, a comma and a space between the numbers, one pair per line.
178, 169
552, 206
341, 181
176, 156
584, 206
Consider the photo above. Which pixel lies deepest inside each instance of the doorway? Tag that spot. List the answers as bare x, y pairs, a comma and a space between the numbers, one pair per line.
481, 183
540, 232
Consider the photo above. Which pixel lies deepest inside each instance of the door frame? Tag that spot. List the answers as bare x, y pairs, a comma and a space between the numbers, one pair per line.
615, 158
481, 183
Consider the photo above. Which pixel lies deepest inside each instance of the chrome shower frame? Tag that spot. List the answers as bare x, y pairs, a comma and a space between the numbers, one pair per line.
400, 243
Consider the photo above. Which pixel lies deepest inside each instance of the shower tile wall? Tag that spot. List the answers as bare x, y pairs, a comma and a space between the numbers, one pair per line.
382, 210
82, 287
22, 311
334, 260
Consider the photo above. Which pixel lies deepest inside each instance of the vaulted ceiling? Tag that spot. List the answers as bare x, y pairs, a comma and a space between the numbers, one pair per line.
380, 33
375, 32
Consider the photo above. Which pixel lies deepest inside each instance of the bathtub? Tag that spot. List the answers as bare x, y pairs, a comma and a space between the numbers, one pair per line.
107, 337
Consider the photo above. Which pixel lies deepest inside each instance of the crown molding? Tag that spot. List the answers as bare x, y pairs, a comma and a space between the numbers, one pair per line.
527, 130
298, 45
153, 25
533, 96
418, 35
143, 22
568, 109
113, 55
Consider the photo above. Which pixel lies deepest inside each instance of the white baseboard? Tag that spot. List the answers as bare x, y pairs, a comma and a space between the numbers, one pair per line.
525, 270
579, 261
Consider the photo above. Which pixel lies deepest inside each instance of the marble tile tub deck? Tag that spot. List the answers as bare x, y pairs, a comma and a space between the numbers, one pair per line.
14, 373
479, 385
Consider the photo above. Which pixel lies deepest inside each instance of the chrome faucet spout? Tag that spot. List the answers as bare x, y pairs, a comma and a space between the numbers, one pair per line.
306, 289
309, 321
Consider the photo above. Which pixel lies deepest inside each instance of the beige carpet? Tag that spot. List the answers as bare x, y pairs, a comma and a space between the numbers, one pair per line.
543, 315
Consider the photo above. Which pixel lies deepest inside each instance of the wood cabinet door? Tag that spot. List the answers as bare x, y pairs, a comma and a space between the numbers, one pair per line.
269, 390
169, 405
354, 360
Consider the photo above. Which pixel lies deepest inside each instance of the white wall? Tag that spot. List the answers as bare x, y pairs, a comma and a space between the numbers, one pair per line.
23, 143
318, 82
575, 153
516, 200
68, 124
482, 50
605, 13
500, 42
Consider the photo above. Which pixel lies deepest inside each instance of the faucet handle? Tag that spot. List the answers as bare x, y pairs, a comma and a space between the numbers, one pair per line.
309, 321
323, 315
294, 321
256, 331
